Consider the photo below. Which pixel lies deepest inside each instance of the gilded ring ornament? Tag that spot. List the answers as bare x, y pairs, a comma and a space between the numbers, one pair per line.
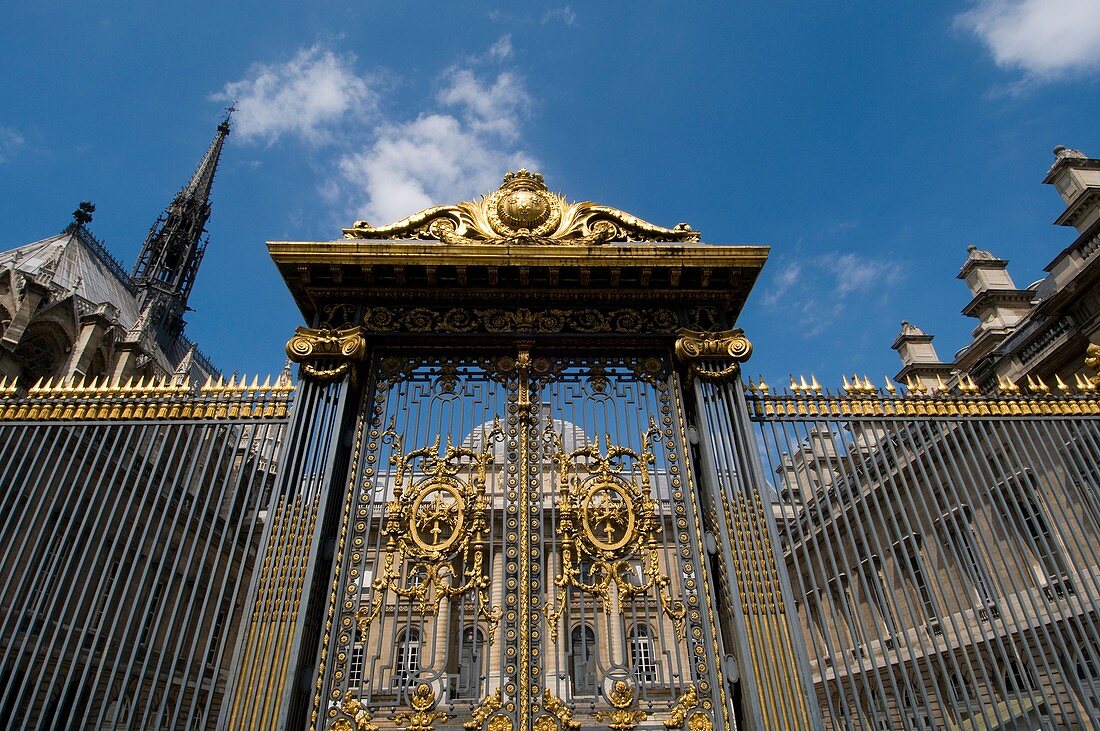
608, 517
438, 517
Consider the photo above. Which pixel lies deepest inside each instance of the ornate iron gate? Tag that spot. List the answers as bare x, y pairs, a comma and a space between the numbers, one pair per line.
509, 532
530, 516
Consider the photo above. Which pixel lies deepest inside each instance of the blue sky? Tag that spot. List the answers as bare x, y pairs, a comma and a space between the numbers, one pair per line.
867, 143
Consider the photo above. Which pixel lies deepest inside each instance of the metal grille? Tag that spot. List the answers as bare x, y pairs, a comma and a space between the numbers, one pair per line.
128, 548
467, 465
944, 562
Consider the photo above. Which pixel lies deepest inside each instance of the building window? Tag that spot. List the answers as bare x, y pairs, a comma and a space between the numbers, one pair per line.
407, 662
1018, 678
1023, 509
216, 637
875, 590
641, 654
582, 665
355, 666
841, 591
1088, 675
150, 614
916, 711
470, 660
912, 560
960, 536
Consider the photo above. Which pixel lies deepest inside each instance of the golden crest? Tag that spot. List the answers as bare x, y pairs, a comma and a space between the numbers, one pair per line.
437, 516
609, 521
523, 211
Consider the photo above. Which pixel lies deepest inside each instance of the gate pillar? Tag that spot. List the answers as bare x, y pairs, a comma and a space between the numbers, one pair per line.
273, 668
768, 655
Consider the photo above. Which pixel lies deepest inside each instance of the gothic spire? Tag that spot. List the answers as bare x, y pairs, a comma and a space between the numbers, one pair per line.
169, 259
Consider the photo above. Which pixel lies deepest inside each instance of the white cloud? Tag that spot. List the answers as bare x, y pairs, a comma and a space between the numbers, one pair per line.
1045, 39
388, 168
816, 292
446, 155
10, 143
306, 96
502, 49
787, 278
853, 274
563, 14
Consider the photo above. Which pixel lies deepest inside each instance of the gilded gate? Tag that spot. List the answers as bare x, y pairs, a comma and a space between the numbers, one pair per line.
517, 523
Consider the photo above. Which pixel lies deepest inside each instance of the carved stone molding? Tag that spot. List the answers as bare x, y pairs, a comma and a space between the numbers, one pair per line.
524, 211
723, 351
326, 354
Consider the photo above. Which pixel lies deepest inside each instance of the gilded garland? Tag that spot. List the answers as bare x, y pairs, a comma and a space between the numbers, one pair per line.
523, 211
610, 522
437, 524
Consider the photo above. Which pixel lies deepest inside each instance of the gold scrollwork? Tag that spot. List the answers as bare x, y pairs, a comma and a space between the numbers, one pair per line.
523, 211
341, 348
624, 717
422, 716
563, 713
483, 710
437, 523
695, 347
352, 715
679, 713
610, 521
522, 320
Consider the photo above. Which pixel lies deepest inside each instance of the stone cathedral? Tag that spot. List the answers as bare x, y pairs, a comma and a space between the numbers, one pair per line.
520, 484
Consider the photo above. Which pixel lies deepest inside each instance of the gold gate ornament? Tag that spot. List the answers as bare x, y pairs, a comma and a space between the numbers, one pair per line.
432, 521
624, 717
609, 520
338, 349
421, 717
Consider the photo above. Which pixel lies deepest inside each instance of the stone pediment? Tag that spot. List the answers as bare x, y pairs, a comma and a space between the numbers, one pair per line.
524, 211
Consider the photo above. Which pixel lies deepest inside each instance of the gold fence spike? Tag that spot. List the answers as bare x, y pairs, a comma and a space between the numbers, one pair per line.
814, 385
941, 388
890, 387
845, 385
1060, 384
794, 385
764, 387
802, 382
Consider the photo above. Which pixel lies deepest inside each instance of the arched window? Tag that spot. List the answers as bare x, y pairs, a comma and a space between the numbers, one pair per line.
407, 662
470, 658
582, 655
642, 657
41, 353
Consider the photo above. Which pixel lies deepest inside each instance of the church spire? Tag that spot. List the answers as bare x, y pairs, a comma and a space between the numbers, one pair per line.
169, 259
